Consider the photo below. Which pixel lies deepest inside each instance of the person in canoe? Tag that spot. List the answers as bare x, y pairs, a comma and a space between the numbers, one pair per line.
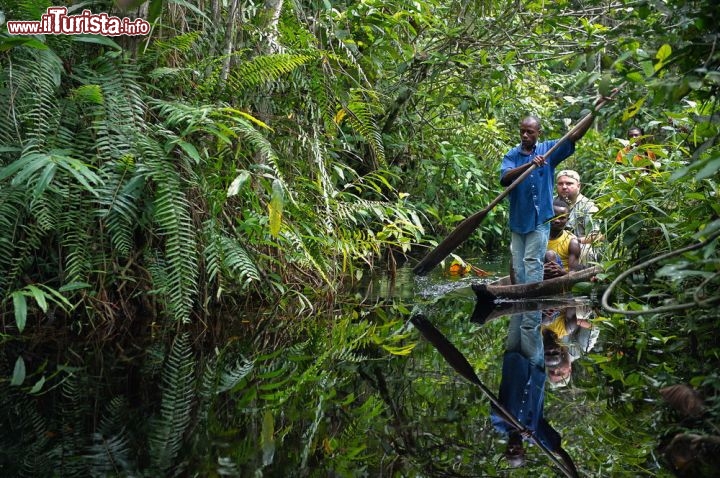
563, 248
582, 209
531, 201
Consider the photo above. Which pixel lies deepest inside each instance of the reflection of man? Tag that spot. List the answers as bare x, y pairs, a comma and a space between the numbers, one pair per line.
522, 391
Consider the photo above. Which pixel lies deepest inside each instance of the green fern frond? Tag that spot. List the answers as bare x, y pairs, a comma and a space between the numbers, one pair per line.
109, 455
309, 255
27, 242
120, 117
119, 203
172, 215
237, 260
110, 452
261, 69
231, 376
75, 408
178, 46
167, 430
362, 111
76, 244
37, 75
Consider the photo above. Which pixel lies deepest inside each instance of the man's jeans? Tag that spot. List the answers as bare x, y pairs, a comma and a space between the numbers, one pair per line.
528, 254
524, 336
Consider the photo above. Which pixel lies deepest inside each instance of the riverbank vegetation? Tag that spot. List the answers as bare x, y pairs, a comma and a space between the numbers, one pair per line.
188, 214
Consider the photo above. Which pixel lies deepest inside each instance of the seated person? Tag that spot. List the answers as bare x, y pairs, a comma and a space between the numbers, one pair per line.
582, 209
633, 150
563, 249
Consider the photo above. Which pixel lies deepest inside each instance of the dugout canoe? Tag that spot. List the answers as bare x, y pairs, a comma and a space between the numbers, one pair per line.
502, 289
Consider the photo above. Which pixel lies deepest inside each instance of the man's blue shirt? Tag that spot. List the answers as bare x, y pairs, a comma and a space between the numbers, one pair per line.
531, 200
522, 393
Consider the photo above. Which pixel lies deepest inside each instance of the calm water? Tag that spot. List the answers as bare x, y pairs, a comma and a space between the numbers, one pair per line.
353, 392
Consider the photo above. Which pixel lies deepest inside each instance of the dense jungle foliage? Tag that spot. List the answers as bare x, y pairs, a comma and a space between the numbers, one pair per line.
186, 215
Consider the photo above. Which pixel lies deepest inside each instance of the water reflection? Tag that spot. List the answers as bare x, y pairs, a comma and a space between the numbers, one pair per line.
352, 392
543, 338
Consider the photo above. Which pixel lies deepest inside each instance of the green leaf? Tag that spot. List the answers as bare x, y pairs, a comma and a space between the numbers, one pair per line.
38, 386
20, 305
190, 150
664, 52
635, 77
605, 87
39, 296
709, 169
155, 10
74, 286
97, 39
633, 109
238, 182
18, 373
648, 68
11, 42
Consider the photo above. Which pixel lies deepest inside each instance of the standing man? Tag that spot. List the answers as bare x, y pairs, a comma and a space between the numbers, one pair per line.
582, 209
531, 200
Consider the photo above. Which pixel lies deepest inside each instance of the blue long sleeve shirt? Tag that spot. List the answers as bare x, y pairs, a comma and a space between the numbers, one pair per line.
531, 200
522, 393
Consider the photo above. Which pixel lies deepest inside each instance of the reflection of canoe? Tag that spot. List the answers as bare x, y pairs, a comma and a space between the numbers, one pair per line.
559, 285
487, 310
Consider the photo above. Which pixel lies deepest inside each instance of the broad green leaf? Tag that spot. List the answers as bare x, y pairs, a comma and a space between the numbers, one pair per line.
39, 296
190, 150
74, 286
238, 182
635, 77
18, 376
648, 68
155, 10
709, 169
7, 43
605, 87
97, 39
38, 385
20, 305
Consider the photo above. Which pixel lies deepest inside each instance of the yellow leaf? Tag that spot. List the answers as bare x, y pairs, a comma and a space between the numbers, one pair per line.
664, 52
340, 115
275, 208
399, 350
633, 109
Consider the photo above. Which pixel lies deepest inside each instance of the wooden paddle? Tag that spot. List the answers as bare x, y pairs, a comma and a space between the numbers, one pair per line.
458, 361
468, 226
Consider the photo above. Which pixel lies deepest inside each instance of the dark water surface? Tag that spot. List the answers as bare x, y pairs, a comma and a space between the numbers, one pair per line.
352, 391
